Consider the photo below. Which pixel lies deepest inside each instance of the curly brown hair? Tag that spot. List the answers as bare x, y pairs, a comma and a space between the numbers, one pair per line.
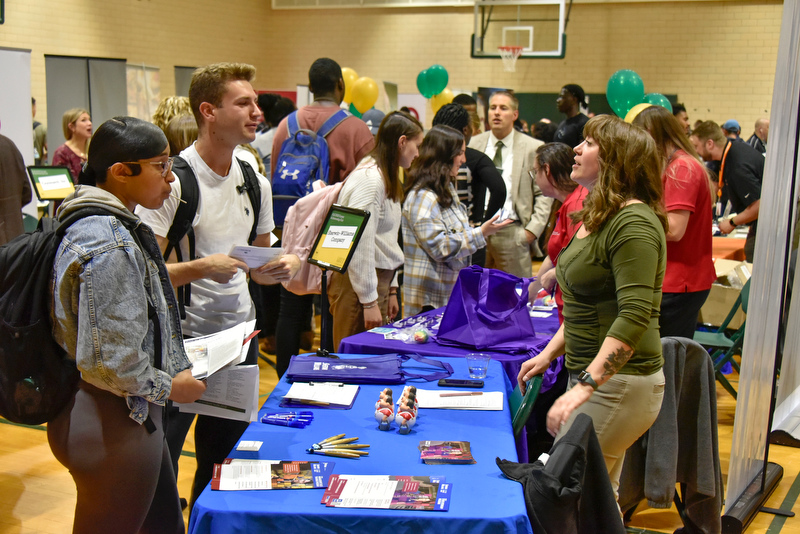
630, 169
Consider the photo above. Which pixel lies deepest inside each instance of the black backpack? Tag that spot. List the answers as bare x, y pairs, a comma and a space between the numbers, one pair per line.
37, 378
184, 216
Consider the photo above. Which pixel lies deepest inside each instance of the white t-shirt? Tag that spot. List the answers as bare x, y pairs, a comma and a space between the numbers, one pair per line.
224, 219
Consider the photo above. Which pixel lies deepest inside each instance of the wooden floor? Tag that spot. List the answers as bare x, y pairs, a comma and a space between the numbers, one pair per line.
37, 494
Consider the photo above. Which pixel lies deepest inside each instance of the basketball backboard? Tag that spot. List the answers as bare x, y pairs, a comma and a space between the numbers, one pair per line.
535, 25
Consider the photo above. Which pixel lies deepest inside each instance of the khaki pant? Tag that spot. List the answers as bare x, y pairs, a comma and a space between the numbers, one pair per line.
348, 314
508, 250
622, 410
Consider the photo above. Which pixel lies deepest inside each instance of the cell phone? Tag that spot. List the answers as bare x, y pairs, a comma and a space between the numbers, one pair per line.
452, 383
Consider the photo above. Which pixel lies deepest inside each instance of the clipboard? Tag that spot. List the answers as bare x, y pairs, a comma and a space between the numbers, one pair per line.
325, 395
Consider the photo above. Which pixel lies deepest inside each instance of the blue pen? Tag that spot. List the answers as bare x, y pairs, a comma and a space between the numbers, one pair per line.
290, 415
281, 422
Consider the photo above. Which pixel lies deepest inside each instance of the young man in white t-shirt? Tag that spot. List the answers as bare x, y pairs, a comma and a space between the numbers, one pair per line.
224, 104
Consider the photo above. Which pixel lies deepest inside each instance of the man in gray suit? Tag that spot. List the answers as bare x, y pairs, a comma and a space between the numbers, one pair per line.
513, 154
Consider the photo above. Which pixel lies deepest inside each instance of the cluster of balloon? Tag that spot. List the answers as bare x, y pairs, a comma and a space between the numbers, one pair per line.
432, 83
360, 92
626, 96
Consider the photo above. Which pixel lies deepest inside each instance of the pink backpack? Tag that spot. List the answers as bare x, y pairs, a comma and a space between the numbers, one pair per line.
300, 229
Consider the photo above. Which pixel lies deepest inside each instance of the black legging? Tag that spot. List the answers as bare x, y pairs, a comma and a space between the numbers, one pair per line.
122, 472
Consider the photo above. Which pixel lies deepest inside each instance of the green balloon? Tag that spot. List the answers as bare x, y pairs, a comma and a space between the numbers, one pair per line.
423, 85
437, 79
657, 99
355, 111
625, 89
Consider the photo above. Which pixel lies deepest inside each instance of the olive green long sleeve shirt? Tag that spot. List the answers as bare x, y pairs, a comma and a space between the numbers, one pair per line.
611, 281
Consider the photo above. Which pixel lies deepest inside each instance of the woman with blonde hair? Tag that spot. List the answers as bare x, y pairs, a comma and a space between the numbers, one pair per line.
687, 198
169, 108
77, 126
611, 274
366, 295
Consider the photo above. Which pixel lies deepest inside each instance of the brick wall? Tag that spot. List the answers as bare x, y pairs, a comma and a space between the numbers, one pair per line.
718, 56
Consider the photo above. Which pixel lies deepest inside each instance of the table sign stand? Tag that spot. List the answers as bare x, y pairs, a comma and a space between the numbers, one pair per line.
324, 350
333, 249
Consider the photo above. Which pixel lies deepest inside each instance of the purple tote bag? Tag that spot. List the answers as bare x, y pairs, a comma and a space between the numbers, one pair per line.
488, 310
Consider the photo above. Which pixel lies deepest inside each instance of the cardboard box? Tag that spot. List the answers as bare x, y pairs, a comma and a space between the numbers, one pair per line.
731, 276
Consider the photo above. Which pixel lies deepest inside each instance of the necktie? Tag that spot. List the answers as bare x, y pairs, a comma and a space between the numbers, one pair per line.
498, 155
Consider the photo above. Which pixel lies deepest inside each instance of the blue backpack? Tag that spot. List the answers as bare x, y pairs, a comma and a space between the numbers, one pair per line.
303, 159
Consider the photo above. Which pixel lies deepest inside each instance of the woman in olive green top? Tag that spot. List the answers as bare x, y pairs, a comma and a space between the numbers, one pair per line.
611, 274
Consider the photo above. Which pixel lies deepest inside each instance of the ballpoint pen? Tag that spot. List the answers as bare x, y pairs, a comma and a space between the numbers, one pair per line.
332, 438
339, 454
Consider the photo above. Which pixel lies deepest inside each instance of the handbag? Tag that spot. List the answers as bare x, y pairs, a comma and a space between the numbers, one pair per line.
383, 369
488, 309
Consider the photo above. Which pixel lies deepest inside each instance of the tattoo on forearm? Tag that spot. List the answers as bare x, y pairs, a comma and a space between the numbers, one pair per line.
615, 361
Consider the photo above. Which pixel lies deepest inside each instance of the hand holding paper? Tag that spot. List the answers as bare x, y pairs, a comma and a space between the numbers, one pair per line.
211, 353
281, 269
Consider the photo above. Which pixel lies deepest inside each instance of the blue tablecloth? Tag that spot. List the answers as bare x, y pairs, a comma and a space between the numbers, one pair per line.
482, 500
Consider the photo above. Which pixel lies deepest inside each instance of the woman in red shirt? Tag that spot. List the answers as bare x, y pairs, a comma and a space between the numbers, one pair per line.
551, 169
687, 198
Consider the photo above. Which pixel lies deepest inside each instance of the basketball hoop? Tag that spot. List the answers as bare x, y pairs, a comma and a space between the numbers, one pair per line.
509, 55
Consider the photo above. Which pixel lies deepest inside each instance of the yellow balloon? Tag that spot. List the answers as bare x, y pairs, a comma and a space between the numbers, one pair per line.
445, 97
349, 76
365, 94
635, 110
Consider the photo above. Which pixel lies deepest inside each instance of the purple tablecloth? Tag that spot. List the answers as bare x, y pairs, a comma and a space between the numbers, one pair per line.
371, 343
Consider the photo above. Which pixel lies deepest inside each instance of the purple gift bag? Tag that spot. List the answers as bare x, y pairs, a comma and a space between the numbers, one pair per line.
488, 310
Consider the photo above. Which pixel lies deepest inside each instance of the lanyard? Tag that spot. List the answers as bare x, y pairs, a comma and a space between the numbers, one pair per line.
722, 169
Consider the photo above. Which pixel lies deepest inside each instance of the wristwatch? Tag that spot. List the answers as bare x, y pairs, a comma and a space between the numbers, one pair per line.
585, 378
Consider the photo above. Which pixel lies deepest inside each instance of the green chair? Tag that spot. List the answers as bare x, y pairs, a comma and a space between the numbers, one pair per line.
521, 406
29, 223
724, 347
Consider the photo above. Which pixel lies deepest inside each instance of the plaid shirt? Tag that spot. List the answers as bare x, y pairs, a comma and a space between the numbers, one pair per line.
437, 243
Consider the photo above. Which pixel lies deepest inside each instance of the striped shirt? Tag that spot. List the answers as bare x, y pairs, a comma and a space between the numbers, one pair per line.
437, 243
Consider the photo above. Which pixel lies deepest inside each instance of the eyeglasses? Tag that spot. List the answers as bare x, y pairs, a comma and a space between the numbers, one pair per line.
533, 172
166, 166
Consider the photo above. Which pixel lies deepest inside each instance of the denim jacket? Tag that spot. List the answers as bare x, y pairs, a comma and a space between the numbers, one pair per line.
102, 283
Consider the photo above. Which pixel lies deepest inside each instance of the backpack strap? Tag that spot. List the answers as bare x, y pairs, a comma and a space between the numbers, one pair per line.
333, 121
182, 224
152, 315
292, 126
253, 189
185, 214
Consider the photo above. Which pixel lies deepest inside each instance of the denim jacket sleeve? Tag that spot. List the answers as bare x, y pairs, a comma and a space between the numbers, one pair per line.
112, 338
